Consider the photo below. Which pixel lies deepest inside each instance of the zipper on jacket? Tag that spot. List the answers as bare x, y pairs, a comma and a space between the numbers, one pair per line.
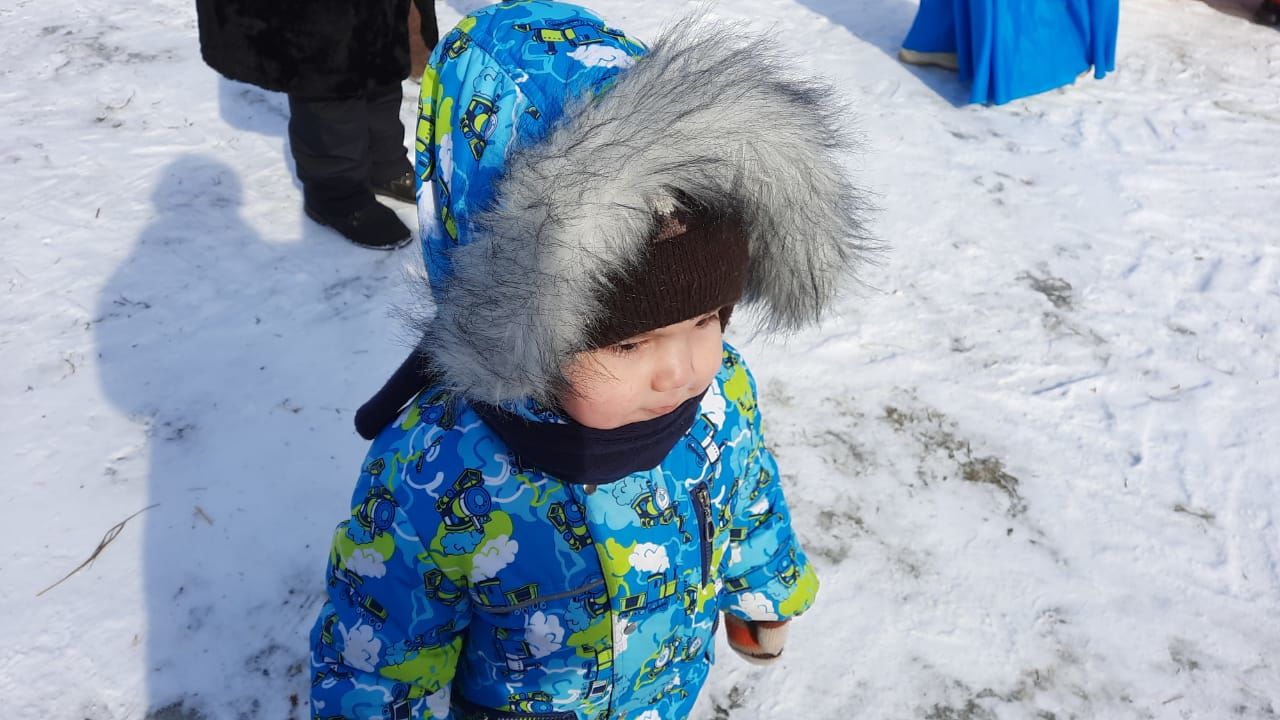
572, 491
706, 527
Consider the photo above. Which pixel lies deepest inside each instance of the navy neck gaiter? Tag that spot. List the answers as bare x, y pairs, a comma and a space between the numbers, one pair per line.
578, 454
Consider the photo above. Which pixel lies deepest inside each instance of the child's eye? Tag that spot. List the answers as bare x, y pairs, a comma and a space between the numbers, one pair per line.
625, 348
705, 321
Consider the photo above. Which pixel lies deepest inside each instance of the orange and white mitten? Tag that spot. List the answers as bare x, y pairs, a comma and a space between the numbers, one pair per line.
759, 641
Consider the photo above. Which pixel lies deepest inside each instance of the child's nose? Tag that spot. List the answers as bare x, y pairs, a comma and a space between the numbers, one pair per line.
675, 367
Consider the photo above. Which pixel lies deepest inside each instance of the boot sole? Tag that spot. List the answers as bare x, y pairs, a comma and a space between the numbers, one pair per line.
321, 221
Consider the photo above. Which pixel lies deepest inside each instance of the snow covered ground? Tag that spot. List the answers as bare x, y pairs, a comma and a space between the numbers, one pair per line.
1035, 459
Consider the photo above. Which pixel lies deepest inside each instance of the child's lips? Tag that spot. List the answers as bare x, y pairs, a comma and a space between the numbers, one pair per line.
685, 397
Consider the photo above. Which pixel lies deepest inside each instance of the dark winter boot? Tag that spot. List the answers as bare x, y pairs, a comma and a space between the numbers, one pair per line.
400, 188
373, 226
1268, 13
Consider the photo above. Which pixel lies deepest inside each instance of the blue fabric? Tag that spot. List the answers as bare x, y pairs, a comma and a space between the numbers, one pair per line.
501, 78
1007, 49
462, 578
579, 454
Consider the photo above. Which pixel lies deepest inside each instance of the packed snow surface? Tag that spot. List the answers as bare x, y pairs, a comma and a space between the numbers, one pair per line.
1035, 456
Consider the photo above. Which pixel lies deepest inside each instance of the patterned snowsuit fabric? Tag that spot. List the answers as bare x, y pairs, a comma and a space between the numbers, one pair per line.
464, 585
503, 75
462, 577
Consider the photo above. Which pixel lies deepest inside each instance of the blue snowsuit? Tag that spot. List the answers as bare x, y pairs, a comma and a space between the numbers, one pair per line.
465, 585
459, 568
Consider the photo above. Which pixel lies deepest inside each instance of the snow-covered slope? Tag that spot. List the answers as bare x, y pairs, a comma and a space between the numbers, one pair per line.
1035, 458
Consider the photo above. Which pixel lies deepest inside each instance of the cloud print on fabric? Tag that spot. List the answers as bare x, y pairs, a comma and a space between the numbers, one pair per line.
756, 606
600, 56
366, 563
544, 634
492, 556
360, 648
650, 558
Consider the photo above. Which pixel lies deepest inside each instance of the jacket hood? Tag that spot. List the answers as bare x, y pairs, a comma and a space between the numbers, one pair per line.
552, 139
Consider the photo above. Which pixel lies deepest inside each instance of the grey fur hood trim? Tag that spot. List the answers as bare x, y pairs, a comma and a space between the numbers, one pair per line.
709, 113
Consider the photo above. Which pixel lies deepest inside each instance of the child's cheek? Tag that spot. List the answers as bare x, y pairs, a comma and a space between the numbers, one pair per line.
710, 353
603, 404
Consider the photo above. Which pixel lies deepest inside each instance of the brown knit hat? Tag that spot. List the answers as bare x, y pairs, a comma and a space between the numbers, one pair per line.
696, 261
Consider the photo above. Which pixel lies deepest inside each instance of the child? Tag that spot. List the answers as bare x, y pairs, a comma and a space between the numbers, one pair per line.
557, 525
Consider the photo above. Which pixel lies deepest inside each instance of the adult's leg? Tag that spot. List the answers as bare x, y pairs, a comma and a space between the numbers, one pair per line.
418, 51
390, 172
330, 144
331, 147
424, 33
429, 30
388, 159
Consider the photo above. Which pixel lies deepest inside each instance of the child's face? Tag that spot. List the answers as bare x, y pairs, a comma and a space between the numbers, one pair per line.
646, 376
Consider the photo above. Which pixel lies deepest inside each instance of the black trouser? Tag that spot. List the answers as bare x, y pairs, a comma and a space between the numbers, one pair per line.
342, 146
